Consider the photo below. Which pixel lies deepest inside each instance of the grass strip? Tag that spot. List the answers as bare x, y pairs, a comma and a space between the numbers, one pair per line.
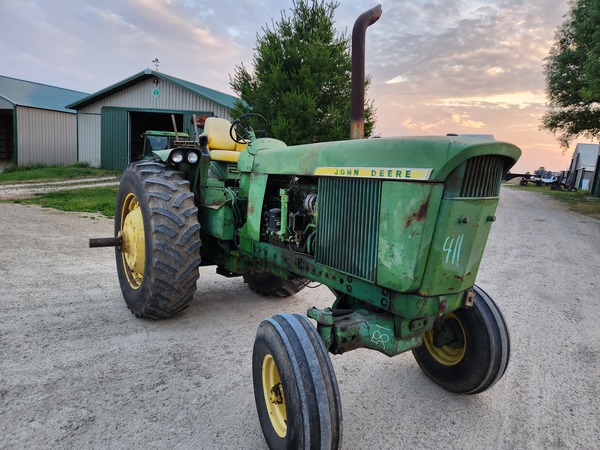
93, 199
52, 173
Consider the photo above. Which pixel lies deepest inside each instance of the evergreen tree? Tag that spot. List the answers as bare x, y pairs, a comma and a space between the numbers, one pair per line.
301, 77
573, 75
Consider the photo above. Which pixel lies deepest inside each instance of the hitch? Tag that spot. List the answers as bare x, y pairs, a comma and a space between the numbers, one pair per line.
106, 242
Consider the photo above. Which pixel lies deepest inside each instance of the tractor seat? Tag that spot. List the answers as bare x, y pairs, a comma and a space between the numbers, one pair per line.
220, 144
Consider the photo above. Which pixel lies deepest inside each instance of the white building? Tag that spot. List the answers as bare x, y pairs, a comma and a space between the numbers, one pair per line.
583, 166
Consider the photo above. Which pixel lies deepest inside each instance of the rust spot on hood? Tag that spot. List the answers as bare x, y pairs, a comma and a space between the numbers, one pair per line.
420, 215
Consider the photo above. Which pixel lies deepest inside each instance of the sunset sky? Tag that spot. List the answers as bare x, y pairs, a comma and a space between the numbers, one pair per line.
437, 66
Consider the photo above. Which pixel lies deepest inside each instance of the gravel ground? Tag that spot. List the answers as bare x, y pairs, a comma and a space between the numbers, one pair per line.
79, 371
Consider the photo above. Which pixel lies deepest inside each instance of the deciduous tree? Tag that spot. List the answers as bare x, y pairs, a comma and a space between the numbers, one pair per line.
573, 75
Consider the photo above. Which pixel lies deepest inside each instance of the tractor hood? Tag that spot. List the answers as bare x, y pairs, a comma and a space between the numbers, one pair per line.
407, 158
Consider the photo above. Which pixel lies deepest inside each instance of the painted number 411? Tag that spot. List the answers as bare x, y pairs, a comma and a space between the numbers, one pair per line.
452, 249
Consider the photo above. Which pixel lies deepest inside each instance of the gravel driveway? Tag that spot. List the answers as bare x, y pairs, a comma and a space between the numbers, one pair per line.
79, 371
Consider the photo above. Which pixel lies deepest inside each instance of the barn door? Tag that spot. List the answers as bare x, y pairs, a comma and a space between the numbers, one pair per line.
114, 139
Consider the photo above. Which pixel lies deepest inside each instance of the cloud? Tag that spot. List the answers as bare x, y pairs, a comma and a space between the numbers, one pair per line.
398, 79
464, 121
495, 71
445, 120
519, 99
466, 47
91, 45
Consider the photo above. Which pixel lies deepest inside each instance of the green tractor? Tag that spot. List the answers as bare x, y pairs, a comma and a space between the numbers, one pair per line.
162, 140
394, 227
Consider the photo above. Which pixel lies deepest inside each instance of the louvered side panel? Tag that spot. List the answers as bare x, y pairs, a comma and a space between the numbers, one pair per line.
483, 176
348, 220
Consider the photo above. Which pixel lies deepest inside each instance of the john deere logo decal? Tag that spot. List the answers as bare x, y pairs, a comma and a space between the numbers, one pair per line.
388, 173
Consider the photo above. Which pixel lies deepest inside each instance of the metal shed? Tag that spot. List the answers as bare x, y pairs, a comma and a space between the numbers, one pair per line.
110, 122
36, 127
583, 166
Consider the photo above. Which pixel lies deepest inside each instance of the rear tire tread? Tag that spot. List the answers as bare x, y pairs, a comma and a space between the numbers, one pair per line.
172, 235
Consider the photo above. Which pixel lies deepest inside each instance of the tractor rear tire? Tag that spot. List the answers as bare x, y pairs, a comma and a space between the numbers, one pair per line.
478, 356
271, 285
158, 260
295, 388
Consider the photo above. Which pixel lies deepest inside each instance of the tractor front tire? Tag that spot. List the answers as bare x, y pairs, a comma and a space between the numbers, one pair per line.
295, 388
158, 261
478, 355
271, 285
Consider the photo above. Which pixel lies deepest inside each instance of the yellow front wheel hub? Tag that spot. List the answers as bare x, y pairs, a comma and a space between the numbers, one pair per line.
274, 398
453, 352
133, 249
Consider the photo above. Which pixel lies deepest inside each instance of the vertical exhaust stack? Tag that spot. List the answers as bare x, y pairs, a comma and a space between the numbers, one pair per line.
357, 105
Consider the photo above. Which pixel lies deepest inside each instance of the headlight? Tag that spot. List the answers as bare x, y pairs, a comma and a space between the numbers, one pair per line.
192, 157
177, 157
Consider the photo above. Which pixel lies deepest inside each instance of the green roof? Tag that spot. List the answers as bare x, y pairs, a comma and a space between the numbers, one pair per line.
36, 95
220, 98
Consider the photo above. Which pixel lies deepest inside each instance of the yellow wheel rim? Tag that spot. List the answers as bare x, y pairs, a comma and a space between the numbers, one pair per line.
133, 249
453, 352
274, 399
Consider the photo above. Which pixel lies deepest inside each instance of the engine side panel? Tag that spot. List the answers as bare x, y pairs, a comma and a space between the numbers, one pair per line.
407, 221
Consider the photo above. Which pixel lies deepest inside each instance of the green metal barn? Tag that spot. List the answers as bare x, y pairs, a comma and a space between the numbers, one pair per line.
110, 122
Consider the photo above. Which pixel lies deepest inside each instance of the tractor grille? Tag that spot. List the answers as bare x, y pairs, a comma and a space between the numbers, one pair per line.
348, 220
483, 175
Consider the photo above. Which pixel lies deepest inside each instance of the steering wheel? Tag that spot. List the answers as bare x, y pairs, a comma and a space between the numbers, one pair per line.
247, 128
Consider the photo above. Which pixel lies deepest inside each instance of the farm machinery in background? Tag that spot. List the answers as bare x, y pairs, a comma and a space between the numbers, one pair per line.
394, 227
539, 180
555, 180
